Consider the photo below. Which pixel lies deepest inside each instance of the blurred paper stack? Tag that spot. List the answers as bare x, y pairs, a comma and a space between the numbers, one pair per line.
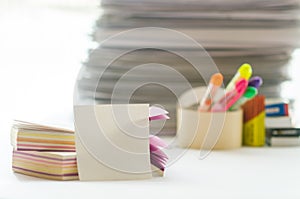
262, 33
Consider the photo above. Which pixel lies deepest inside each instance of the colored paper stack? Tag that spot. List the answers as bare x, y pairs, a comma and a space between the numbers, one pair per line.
49, 151
27, 136
158, 158
43, 151
48, 165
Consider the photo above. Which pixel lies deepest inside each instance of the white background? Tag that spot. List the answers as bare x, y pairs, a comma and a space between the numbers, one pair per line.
41, 46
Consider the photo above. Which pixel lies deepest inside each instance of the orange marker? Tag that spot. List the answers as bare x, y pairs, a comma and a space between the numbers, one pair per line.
214, 84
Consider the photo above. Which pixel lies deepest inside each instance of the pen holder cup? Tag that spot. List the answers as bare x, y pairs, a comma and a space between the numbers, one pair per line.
208, 130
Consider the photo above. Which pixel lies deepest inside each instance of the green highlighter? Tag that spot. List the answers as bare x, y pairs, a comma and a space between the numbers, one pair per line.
249, 94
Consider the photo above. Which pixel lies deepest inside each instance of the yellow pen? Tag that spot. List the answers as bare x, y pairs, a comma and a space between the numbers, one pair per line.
245, 72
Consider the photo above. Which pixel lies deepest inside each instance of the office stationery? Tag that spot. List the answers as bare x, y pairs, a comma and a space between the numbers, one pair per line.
231, 97
283, 131
283, 141
49, 165
43, 125
36, 137
262, 33
279, 122
283, 137
245, 72
249, 94
159, 117
277, 110
206, 130
28, 159
158, 157
255, 82
277, 107
157, 113
212, 89
114, 134
254, 121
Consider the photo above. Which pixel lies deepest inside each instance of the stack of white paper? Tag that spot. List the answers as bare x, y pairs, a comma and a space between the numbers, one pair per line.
262, 33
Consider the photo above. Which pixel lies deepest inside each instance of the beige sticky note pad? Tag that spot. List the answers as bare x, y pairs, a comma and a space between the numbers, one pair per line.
112, 141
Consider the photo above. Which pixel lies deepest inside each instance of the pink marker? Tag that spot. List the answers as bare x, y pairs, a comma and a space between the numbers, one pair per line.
231, 97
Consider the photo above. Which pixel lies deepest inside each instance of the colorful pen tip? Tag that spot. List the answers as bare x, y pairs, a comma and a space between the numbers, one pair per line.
250, 92
241, 85
217, 79
255, 82
245, 71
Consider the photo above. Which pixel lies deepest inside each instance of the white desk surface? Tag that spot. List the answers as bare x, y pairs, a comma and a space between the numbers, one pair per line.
242, 173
